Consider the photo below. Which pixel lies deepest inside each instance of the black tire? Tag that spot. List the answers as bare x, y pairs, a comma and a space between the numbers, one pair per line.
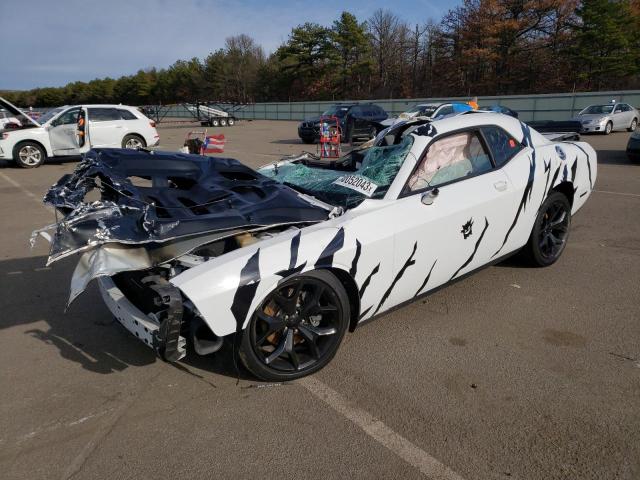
214, 122
29, 154
608, 128
231, 121
223, 122
297, 329
634, 124
307, 140
133, 142
550, 231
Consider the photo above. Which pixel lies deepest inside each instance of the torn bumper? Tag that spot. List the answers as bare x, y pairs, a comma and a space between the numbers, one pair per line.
161, 332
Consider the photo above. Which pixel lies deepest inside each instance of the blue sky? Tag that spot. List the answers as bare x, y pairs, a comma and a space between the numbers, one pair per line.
53, 42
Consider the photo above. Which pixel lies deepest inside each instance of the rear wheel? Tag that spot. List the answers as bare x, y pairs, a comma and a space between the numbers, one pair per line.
223, 122
297, 329
29, 154
231, 121
133, 142
215, 122
550, 231
634, 124
608, 128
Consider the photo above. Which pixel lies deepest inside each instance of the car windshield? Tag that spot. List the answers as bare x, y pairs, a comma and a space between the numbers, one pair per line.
44, 118
379, 167
598, 109
337, 110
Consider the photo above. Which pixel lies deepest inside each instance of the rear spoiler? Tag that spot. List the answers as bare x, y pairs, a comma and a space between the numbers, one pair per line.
553, 126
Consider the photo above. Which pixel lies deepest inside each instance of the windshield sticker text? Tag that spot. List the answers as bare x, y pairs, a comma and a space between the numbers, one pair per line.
359, 184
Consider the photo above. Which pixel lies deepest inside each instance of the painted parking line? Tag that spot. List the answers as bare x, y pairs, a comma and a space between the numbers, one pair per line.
28, 193
380, 432
618, 193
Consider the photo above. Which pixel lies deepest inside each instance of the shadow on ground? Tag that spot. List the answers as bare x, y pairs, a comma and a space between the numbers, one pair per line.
33, 303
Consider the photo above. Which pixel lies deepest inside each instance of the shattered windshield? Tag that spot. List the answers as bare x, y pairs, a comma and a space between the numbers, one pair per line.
337, 110
379, 167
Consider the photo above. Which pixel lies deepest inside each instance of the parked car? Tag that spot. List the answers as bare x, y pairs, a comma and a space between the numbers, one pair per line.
633, 147
7, 120
285, 260
500, 109
430, 111
357, 120
57, 132
608, 117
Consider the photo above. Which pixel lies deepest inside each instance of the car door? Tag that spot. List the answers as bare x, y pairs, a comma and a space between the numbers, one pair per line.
357, 120
63, 133
451, 216
106, 127
627, 115
617, 117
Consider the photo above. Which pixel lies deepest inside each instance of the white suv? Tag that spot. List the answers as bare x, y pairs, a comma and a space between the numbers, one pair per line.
60, 132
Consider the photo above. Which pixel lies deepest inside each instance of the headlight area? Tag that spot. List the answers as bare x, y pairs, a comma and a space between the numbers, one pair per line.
157, 313
147, 304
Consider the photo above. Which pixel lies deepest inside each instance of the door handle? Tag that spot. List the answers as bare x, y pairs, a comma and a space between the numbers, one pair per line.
501, 186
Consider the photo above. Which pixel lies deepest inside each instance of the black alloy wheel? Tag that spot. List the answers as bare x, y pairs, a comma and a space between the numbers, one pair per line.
550, 231
297, 329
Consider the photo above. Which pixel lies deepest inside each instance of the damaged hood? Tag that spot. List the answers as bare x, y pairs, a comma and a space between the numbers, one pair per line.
10, 107
152, 198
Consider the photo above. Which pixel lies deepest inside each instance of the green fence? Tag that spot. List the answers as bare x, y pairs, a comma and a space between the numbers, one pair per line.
557, 106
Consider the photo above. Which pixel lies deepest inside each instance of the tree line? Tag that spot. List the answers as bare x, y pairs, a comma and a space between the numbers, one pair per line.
482, 47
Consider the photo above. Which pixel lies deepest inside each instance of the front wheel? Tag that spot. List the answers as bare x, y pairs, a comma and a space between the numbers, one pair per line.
297, 329
608, 128
29, 155
550, 231
634, 124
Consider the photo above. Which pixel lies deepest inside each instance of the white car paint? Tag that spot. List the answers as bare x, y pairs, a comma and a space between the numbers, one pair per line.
57, 132
396, 247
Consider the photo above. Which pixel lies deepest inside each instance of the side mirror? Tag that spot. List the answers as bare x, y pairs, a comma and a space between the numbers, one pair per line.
429, 196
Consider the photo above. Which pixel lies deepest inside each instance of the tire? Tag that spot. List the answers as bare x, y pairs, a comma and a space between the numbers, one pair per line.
214, 122
231, 121
133, 142
297, 329
307, 140
29, 154
550, 231
634, 124
223, 122
608, 128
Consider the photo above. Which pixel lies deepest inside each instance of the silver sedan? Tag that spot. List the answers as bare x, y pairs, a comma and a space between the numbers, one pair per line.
608, 117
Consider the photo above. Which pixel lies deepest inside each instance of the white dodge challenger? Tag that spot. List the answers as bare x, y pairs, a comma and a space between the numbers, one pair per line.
190, 250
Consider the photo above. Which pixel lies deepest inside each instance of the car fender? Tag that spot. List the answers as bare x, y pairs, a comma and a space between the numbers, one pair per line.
38, 135
227, 289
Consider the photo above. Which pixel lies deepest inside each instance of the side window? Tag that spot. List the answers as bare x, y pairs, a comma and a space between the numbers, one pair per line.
446, 110
355, 112
502, 145
103, 114
127, 115
451, 158
68, 117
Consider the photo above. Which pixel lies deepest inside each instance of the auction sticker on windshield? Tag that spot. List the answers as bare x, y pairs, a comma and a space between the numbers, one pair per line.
358, 183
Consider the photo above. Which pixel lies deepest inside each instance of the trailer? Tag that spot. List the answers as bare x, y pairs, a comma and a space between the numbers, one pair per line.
211, 116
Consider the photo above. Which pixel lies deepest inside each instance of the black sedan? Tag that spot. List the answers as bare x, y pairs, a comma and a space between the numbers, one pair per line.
357, 120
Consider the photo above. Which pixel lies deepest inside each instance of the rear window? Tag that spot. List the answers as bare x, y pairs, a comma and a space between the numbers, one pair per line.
127, 115
502, 145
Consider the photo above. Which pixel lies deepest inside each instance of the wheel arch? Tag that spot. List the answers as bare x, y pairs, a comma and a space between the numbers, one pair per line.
16, 146
351, 287
566, 188
134, 134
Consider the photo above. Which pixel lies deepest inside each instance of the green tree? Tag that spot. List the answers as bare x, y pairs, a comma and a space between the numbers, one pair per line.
352, 49
604, 43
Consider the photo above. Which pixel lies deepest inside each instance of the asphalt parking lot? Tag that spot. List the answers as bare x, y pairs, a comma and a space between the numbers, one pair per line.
514, 372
